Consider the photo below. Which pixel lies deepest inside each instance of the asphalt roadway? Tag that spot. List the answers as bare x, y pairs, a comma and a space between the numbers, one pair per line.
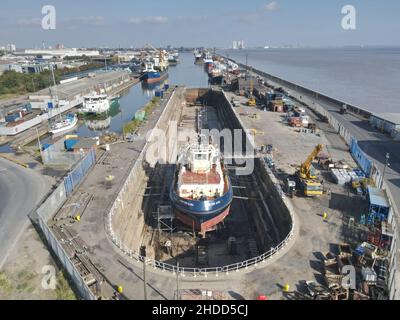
20, 190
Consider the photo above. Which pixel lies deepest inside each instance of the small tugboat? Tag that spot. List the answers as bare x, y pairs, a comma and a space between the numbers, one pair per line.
65, 124
201, 191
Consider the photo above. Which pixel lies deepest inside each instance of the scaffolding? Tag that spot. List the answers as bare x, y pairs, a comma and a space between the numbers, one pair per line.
165, 218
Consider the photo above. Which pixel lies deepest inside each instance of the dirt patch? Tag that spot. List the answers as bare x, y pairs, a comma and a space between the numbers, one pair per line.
28, 271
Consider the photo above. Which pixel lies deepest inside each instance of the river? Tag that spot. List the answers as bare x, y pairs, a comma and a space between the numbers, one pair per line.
366, 77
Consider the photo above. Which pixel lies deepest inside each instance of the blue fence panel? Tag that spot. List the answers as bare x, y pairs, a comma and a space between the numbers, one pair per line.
68, 185
79, 172
361, 158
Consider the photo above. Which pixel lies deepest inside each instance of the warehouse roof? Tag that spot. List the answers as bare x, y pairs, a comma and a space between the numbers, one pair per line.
378, 197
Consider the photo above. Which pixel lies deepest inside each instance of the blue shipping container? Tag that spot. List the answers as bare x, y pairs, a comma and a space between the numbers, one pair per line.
12, 117
45, 146
69, 144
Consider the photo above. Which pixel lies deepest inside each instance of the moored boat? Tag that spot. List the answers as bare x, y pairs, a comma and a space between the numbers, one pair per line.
64, 124
95, 103
150, 75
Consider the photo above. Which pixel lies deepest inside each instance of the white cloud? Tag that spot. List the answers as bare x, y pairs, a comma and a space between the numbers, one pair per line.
272, 6
89, 20
29, 22
192, 18
148, 19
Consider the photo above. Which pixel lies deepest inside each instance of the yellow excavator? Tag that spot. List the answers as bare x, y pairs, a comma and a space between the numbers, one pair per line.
307, 175
252, 101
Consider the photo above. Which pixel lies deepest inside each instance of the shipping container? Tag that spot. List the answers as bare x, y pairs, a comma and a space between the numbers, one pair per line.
69, 144
159, 93
12, 117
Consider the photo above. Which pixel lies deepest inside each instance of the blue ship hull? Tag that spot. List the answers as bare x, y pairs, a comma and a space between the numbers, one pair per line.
153, 76
201, 215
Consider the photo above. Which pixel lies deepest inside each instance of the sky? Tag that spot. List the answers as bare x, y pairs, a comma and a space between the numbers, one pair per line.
210, 23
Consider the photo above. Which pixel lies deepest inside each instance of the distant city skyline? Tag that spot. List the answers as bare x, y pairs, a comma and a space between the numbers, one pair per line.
206, 23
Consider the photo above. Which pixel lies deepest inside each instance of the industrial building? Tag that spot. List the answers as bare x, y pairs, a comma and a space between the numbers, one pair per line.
72, 52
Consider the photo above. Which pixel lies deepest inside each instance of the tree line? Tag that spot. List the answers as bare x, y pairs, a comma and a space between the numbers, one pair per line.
12, 82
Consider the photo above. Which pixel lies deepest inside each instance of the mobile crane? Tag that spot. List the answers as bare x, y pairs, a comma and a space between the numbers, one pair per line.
307, 175
252, 101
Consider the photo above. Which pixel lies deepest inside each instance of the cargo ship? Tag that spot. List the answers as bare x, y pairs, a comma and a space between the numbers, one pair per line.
201, 191
150, 75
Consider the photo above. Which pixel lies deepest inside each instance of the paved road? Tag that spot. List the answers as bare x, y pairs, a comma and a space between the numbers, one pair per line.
20, 190
374, 144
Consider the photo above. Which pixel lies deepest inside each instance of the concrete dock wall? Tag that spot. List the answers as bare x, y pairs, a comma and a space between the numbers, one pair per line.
273, 216
126, 221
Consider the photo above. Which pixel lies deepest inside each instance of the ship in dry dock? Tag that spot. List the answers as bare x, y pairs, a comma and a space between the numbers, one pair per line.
201, 192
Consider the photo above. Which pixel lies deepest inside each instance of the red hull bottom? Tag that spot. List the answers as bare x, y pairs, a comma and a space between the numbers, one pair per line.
154, 80
204, 227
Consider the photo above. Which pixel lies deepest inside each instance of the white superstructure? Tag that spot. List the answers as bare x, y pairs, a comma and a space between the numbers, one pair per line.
95, 103
202, 176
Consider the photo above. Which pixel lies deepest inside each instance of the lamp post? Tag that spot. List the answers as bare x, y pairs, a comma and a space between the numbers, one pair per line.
143, 254
384, 168
177, 280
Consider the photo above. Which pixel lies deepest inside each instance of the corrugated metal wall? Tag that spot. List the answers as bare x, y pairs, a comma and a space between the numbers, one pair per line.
362, 160
79, 172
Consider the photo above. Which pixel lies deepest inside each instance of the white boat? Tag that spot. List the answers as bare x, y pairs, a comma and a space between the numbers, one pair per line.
95, 103
65, 124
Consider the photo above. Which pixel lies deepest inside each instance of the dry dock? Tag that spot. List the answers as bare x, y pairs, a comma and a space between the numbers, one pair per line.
279, 240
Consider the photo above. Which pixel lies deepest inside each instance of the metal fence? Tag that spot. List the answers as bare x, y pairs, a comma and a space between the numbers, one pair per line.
66, 262
79, 172
56, 156
361, 158
50, 207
